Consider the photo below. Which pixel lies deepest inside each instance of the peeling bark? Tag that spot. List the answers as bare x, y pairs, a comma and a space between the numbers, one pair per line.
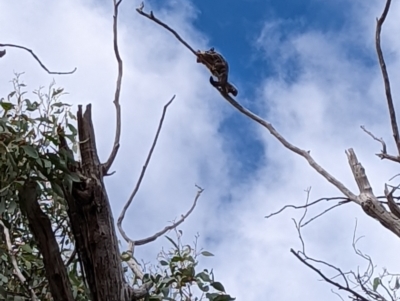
368, 201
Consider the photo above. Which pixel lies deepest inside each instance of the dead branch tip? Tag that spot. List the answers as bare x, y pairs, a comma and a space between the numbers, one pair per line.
37, 59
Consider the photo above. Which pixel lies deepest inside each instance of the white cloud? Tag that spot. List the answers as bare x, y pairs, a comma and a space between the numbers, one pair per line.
319, 109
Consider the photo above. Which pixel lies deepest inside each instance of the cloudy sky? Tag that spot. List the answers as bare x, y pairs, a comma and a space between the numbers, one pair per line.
309, 67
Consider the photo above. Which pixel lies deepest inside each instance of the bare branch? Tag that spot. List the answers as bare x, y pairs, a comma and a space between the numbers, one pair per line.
383, 154
367, 200
375, 138
113, 155
136, 189
305, 154
173, 226
325, 211
17, 270
153, 18
338, 285
394, 208
385, 75
344, 200
37, 59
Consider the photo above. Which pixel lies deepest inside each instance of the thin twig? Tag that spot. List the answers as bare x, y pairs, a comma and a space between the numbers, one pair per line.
325, 211
174, 225
17, 270
383, 154
113, 155
204, 62
385, 75
151, 17
308, 205
298, 224
37, 59
338, 285
72, 256
135, 190
375, 138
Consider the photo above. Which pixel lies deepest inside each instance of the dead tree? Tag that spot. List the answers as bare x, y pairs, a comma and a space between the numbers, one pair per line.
386, 212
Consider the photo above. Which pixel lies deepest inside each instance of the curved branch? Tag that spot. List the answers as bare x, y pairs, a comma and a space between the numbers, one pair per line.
117, 138
151, 17
136, 189
385, 75
173, 226
36, 58
307, 205
338, 285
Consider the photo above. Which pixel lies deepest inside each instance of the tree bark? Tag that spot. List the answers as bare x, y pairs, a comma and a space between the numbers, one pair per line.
40, 225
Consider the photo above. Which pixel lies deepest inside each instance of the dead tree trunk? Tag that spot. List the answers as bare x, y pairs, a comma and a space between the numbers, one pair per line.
93, 224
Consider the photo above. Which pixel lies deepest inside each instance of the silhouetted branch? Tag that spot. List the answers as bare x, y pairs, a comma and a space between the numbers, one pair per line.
113, 155
136, 189
36, 58
153, 18
174, 225
344, 200
338, 285
385, 75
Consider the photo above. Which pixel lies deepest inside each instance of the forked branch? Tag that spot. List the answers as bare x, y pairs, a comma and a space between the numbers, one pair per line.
136, 189
174, 225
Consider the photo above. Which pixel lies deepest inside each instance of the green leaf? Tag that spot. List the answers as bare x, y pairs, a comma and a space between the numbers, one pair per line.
56, 92
73, 176
72, 116
203, 276
170, 239
206, 253
376, 283
26, 248
218, 286
11, 94
57, 189
7, 106
72, 129
203, 287
30, 151
224, 298
2, 206
31, 106
12, 206
163, 262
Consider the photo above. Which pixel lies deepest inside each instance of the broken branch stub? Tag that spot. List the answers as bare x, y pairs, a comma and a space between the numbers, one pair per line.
368, 201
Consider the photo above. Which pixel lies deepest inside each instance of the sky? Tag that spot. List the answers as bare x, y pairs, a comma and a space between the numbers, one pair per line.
309, 67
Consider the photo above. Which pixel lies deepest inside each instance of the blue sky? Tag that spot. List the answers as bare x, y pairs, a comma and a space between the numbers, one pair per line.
308, 67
